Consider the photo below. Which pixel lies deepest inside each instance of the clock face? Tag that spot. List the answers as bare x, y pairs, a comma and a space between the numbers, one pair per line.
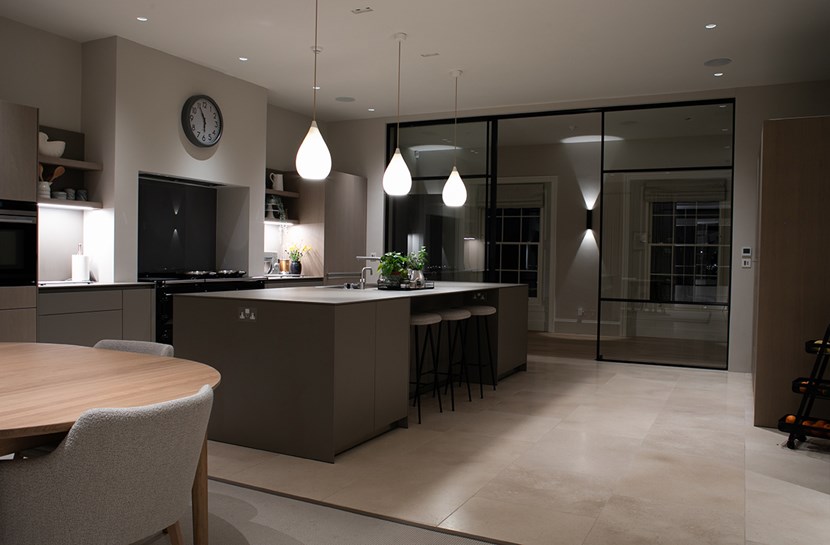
202, 121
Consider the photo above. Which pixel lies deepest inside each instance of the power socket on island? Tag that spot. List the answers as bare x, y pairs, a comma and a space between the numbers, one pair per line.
247, 314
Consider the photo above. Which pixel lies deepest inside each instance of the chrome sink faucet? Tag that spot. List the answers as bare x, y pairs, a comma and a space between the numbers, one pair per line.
363, 272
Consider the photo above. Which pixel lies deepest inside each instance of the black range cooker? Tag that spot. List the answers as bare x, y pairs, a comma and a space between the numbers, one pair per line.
169, 283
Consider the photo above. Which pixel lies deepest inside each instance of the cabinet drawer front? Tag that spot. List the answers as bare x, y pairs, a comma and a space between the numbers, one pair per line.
18, 297
79, 301
84, 329
18, 325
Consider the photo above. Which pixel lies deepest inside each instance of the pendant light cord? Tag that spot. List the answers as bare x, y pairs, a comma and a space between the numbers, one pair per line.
455, 128
316, 52
398, 131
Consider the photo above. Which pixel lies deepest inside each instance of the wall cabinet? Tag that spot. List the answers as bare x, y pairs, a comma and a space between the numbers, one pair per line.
18, 152
84, 316
18, 315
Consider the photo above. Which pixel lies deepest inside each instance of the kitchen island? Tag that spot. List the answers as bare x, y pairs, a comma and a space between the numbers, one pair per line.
314, 371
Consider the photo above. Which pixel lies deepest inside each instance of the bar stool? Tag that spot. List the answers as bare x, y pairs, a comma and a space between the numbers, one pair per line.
455, 316
427, 320
480, 313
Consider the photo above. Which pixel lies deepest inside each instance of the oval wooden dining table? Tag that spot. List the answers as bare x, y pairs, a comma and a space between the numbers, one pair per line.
44, 388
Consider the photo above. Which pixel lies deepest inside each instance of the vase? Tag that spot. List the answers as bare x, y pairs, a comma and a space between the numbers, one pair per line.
416, 278
295, 267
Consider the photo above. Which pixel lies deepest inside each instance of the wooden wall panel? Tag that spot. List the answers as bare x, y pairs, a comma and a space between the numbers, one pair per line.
793, 302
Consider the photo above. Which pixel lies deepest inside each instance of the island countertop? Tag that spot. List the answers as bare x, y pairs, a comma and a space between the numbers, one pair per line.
337, 295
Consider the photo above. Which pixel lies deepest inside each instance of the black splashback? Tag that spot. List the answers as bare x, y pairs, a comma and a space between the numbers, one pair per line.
176, 226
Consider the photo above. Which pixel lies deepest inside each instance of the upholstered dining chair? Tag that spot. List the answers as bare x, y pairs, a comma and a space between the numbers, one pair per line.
143, 347
120, 475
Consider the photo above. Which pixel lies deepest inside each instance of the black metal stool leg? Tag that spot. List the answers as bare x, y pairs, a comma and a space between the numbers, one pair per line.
435, 390
464, 364
490, 353
419, 365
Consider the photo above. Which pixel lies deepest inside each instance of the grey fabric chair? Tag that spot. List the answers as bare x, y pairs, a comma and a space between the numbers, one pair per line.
143, 347
120, 475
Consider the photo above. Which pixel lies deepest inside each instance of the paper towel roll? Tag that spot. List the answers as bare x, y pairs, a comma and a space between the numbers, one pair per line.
80, 268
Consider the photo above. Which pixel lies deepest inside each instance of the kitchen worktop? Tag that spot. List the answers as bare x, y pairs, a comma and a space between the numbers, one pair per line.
69, 284
337, 295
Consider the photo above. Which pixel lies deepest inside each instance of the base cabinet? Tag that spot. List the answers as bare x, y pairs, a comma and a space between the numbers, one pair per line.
18, 316
84, 316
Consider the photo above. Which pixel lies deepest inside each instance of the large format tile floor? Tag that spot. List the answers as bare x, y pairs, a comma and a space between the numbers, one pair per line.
576, 452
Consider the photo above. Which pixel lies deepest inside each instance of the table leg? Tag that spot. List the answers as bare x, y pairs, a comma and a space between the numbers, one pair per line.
200, 499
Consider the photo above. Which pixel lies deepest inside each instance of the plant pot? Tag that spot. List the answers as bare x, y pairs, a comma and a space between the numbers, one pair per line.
295, 267
417, 278
394, 280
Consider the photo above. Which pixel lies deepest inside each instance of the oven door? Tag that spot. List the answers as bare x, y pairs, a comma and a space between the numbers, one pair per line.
18, 243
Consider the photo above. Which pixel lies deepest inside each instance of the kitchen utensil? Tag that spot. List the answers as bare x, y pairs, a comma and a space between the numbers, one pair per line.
57, 174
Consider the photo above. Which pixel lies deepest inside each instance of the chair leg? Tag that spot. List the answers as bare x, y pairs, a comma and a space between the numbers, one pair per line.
465, 370
174, 531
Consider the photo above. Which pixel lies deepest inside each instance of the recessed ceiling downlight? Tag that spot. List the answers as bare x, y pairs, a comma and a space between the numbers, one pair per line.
718, 74
589, 138
721, 61
142, 19
710, 26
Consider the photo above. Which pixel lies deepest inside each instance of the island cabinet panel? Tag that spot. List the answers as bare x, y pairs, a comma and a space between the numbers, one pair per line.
298, 379
391, 347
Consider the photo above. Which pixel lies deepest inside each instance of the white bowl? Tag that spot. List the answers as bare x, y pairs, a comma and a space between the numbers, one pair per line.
54, 148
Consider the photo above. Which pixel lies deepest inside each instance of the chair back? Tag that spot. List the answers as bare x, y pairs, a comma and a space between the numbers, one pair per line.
142, 347
119, 476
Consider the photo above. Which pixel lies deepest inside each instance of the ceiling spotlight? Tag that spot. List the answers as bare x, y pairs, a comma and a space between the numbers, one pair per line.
371, 109
718, 74
360, 11
142, 19
710, 26
243, 59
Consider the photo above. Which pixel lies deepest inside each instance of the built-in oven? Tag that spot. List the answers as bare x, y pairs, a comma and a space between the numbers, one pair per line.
18, 243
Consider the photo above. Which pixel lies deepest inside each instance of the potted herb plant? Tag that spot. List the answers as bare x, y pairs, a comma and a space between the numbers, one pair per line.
392, 269
417, 262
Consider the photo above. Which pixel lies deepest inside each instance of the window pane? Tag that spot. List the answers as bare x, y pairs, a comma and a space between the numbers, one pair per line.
673, 137
428, 149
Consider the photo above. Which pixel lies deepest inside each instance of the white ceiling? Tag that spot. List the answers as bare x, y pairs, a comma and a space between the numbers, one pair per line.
512, 52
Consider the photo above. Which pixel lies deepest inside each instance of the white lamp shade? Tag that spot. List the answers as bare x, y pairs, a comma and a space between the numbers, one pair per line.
313, 158
454, 193
397, 180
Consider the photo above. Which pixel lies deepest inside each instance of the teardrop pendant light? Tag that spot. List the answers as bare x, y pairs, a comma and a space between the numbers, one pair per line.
454, 193
313, 158
397, 180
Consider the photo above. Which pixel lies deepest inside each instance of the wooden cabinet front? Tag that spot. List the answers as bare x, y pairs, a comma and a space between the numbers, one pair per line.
18, 150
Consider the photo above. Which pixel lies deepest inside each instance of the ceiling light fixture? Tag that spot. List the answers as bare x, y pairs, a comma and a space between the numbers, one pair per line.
710, 26
718, 74
454, 192
397, 180
313, 158
371, 109
586, 138
142, 19
243, 59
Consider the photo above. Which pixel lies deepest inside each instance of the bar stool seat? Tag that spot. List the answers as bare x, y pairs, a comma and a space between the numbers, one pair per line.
450, 316
480, 313
425, 319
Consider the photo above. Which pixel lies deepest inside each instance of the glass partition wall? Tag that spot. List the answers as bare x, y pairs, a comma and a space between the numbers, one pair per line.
659, 180
666, 235
454, 237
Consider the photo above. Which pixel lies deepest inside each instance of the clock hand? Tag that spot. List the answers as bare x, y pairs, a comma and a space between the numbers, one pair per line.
204, 122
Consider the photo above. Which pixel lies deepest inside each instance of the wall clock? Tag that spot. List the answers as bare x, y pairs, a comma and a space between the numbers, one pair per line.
202, 121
